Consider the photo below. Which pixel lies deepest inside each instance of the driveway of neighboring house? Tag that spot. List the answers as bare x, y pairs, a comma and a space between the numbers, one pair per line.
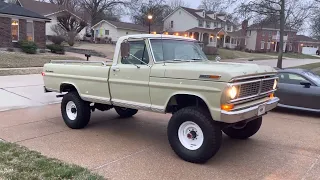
106, 49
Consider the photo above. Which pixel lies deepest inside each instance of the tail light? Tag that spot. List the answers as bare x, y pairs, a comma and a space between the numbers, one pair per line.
43, 73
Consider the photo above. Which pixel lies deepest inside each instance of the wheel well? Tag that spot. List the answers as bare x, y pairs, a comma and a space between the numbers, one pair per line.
180, 101
67, 88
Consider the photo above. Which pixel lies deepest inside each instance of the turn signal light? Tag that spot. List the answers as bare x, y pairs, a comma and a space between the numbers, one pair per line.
271, 96
227, 107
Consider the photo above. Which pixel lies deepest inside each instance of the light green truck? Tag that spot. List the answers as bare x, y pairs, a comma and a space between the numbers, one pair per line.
168, 74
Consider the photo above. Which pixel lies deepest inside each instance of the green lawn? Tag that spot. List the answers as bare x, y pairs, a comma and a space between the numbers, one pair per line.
296, 56
22, 60
232, 54
314, 67
19, 163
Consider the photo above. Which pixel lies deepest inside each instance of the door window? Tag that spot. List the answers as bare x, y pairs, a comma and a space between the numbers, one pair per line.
291, 78
138, 53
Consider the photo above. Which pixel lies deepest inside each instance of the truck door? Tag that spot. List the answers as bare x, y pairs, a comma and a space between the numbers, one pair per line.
129, 78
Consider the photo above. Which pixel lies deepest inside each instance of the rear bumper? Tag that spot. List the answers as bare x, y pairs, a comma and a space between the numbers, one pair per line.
248, 113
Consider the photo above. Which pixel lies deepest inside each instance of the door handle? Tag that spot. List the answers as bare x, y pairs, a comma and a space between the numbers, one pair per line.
116, 69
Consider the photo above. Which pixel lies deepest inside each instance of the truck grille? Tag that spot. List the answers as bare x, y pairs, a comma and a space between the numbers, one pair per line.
255, 88
249, 89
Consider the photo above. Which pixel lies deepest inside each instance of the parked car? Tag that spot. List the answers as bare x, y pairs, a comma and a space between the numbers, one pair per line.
298, 89
168, 74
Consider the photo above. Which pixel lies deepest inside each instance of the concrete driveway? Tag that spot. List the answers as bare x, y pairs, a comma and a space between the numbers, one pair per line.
24, 91
286, 147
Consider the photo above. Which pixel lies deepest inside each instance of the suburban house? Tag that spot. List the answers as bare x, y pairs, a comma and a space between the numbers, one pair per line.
18, 23
265, 37
214, 29
51, 11
115, 29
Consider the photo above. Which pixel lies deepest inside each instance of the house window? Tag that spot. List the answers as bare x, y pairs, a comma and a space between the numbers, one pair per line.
215, 24
262, 44
15, 30
228, 28
127, 32
268, 45
208, 24
106, 32
171, 25
263, 33
200, 23
30, 30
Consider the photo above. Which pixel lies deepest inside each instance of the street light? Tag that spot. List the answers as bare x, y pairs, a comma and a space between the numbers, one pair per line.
150, 18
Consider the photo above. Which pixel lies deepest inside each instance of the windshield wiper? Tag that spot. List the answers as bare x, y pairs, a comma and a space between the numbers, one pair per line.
197, 59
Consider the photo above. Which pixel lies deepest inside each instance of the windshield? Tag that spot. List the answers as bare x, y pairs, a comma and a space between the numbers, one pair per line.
314, 77
166, 50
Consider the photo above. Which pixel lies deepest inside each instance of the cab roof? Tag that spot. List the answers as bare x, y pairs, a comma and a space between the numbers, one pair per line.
136, 36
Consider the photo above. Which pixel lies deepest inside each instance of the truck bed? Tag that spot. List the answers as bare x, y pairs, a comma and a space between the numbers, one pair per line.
90, 78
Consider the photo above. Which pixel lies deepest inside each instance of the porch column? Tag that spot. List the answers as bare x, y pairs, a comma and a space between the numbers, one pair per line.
224, 40
216, 40
200, 36
192, 34
275, 47
209, 35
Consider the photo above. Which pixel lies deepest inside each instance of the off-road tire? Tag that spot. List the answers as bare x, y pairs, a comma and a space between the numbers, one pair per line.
211, 132
125, 112
83, 111
251, 128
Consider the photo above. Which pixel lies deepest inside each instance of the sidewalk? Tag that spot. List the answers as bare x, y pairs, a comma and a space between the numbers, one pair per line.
23, 91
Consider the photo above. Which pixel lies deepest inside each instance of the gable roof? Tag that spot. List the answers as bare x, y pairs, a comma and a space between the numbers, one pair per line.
13, 9
42, 8
46, 9
303, 38
270, 23
131, 26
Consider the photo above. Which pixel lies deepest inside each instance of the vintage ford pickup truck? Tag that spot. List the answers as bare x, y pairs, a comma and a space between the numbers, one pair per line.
168, 74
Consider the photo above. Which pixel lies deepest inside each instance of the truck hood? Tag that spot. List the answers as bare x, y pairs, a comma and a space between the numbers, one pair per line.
226, 70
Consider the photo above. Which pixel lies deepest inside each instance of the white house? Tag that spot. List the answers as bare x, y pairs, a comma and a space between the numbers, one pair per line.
114, 29
51, 11
212, 28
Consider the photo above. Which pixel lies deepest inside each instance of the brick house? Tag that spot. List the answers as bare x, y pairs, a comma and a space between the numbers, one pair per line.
265, 37
17, 23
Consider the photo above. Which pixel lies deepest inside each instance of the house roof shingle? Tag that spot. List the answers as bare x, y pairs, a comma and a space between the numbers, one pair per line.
271, 23
13, 9
131, 26
42, 8
303, 38
45, 8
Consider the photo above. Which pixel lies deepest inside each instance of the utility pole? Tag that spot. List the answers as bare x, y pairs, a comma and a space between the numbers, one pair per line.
282, 22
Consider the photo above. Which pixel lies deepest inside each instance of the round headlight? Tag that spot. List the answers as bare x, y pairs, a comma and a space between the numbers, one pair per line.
233, 92
275, 84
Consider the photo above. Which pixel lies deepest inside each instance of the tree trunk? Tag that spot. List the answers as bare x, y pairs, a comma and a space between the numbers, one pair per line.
282, 22
71, 37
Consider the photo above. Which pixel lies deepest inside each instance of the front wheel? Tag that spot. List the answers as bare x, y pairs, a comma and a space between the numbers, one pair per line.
193, 135
125, 112
244, 131
75, 112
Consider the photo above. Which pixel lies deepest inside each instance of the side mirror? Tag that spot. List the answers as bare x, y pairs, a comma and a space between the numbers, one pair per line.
125, 49
306, 84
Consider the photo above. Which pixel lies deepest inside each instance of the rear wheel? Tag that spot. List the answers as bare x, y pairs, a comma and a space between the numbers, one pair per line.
125, 112
244, 131
75, 112
193, 135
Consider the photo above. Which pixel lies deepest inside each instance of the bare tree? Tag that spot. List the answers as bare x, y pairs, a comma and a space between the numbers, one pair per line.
213, 5
97, 7
290, 13
71, 25
177, 3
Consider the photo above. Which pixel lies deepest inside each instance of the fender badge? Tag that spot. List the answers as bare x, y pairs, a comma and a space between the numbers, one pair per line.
210, 76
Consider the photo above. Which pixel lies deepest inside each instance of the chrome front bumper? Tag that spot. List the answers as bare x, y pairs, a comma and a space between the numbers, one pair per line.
248, 113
